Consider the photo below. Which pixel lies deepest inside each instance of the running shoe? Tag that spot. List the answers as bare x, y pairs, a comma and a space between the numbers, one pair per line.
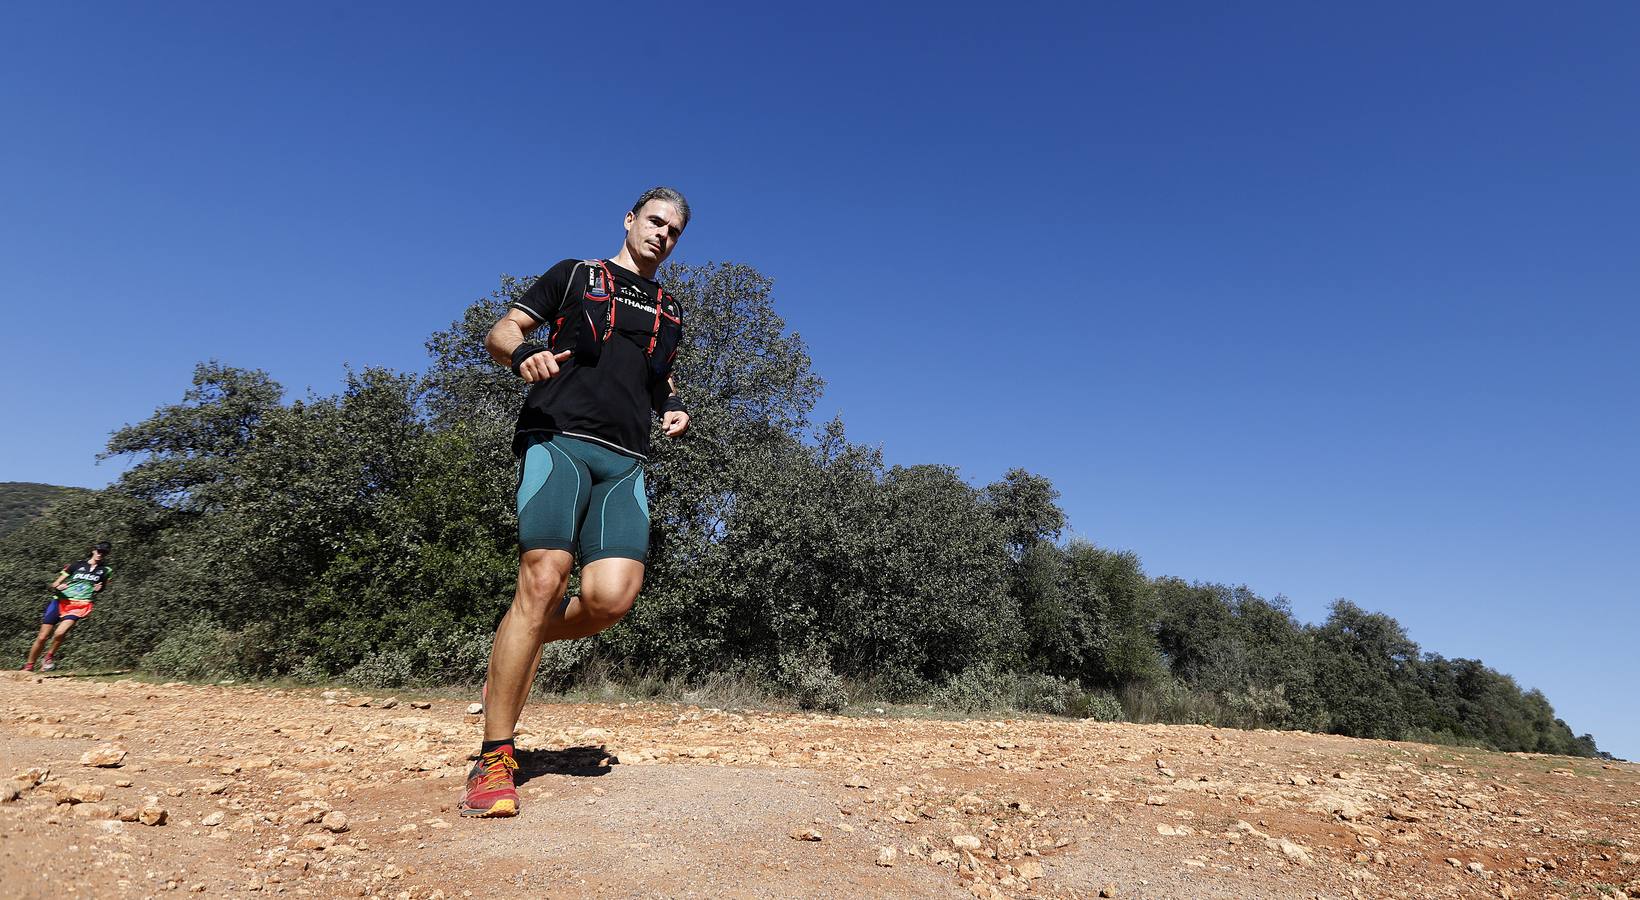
49, 663
490, 792
28, 667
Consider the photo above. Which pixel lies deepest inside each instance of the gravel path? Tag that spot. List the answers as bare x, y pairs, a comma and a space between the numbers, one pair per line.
130, 789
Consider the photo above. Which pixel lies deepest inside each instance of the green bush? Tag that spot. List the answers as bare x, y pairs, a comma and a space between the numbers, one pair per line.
984, 688
974, 689
561, 661
1035, 692
1256, 707
436, 657
807, 676
1100, 705
1443, 737
895, 685
195, 650
1169, 701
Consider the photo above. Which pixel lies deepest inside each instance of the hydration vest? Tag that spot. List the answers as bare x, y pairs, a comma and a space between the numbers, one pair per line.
593, 322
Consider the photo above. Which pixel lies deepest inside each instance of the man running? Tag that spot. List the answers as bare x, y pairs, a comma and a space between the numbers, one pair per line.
76, 584
582, 435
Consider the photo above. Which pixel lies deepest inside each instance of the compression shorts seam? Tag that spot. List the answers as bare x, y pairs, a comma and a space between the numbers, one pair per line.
575, 500
603, 508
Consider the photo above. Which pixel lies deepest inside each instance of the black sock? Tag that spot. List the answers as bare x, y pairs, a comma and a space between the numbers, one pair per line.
492, 746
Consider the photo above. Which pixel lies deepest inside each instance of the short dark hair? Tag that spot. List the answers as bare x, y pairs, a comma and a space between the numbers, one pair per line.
670, 195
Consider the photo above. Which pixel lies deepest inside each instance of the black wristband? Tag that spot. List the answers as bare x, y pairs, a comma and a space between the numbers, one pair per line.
525, 351
673, 404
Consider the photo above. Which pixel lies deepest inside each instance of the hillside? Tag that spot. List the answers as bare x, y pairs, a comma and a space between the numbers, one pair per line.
21, 501
229, 790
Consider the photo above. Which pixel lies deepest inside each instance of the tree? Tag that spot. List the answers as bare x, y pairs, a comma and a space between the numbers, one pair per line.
1119, 604
187, 453
1027, 507
1364, 670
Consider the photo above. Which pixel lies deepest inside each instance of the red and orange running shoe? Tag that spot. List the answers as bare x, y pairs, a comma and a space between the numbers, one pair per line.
490, 792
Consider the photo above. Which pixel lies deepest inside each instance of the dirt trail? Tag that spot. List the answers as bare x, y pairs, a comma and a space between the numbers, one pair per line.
315, 793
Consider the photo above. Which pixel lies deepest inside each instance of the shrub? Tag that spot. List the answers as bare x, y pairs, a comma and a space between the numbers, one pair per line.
1256, 707
974, 689
807, 676
895, 685
195, 650
984, 688
1100, 705
1167, 700
1035, 692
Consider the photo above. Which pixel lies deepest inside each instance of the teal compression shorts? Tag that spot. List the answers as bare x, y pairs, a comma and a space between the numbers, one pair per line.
578, 496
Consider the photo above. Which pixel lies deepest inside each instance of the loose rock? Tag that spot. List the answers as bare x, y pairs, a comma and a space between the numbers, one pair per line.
315, 841
106, 756
1297, 852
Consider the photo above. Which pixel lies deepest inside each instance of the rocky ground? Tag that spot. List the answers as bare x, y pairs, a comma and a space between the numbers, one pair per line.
133, 789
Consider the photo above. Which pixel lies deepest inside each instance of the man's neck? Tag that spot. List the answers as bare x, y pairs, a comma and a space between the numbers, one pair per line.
624, 260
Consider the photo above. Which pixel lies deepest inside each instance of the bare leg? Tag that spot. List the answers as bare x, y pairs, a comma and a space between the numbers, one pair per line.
62, 632
608, 589
529, 679
39, 642
542, 577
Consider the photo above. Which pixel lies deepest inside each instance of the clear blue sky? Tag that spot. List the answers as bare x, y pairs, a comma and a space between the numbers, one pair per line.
1333, 302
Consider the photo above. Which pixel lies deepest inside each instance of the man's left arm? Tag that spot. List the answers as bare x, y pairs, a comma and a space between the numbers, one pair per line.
674, 417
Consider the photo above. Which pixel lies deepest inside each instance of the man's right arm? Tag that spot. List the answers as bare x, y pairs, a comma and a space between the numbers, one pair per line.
508, 346
508, 341
507, 334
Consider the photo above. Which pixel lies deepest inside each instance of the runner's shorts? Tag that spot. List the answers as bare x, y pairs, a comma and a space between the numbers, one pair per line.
63, 608
582, 497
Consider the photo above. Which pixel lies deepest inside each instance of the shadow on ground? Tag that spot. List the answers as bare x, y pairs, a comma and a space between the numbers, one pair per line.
586, 762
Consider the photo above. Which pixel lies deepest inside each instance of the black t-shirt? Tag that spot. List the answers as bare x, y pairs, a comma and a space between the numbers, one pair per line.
609, 403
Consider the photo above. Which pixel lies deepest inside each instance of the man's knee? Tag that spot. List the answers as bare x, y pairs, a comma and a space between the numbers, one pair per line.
608, 588
605, 607
542, 577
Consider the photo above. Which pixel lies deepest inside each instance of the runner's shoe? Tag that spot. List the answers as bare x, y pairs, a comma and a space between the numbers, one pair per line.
49, 663
490, 792
27, 667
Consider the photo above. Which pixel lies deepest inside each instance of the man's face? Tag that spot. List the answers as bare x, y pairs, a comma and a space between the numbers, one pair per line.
653, 231
96, 557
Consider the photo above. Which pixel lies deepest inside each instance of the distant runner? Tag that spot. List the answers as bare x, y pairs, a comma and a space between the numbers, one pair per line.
583, 436
76, 584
